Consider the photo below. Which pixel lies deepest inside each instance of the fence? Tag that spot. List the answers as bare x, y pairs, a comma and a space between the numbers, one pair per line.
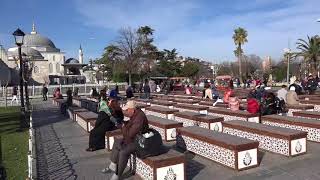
84, 89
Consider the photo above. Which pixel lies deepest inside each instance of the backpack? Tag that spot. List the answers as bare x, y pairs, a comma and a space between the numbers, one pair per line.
148, 144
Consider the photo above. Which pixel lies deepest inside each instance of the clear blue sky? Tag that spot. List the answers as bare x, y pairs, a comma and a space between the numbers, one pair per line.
197, 28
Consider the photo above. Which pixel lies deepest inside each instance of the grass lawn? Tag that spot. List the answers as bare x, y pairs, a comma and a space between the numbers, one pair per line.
14, 145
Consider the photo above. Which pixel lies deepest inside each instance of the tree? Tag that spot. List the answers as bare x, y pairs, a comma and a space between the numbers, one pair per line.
239, 37
170, 54
190, 69
310, 50
149, 51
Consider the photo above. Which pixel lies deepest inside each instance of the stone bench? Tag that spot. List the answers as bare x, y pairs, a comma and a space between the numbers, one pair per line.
195, 119
315, 103
165, 104
192, 108
110, 137
58, 102
279, 140
186, 101
142, 106
161, 112
311, 126
168, 99
307, 114
73, 109
231, 151
168, 166
210, 104
234, 115
142, 101
167, 128
77, 101
293, 108
84, 118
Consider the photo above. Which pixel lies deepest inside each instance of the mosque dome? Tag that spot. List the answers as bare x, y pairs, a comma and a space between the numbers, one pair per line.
72, 61
36, 40
29, 52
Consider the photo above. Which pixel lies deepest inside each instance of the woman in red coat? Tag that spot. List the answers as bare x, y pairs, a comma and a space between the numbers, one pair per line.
253, 105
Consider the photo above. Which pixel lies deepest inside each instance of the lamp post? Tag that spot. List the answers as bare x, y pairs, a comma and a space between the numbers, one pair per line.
287, 51
19, 37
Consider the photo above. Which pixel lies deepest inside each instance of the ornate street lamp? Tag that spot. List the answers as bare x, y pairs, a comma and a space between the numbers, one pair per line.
287, 51
19, 37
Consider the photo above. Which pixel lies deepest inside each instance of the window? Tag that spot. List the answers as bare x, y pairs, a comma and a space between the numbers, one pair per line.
50, 68
53, 57
36, 69
58, 68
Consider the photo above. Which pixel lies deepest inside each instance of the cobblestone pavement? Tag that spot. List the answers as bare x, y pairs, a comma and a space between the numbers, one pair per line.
61, 154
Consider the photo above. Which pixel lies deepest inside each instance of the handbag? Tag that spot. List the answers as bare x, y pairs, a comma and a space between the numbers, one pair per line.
148, 143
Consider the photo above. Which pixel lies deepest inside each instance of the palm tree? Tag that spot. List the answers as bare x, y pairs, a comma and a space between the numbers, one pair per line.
170, 54
310, 50
239, 37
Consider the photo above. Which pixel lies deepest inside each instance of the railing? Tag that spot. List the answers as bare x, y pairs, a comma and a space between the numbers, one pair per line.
84, 89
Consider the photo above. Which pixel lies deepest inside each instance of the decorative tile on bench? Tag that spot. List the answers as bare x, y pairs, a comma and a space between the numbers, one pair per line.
168, 166
234, 115
167, 128
83, 119
311, 126
279, 140
231, 151
293, 108
161, 112
192, 108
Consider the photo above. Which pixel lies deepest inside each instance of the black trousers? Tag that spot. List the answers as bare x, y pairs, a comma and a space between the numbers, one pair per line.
45, 96
121, 154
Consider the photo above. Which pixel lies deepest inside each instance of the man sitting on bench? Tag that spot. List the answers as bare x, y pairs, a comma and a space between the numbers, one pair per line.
122, 149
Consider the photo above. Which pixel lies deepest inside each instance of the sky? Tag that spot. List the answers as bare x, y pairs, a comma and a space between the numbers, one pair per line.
196, 28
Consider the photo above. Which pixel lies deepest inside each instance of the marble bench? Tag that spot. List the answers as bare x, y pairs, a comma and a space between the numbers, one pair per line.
210, 104
192, 108
161, 112
186, 101
293, 108
311, 126
196, 119
142, 106
110, 137
231, 151
168, 166
279, 140
307, 114
58, 102
84, 118
165, 104
315, 103
234, 115
142, 101
167, 128
77, 101
73, 109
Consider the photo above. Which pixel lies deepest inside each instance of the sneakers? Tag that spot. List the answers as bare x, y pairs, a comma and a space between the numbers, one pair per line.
114, 177
112, 167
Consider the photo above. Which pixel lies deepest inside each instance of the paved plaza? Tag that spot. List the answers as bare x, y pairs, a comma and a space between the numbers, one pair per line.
61, 154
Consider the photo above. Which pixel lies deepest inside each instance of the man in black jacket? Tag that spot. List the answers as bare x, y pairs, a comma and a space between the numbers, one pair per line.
44, 92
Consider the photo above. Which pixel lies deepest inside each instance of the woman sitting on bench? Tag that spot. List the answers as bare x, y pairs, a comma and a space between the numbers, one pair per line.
110, 117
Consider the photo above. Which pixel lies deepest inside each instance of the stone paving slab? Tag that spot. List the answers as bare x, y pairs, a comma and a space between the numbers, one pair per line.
87, 165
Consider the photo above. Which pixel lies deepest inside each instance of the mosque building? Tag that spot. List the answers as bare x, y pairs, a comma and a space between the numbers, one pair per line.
49, 64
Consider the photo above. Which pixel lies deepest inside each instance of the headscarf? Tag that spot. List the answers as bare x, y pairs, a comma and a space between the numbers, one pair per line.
103, 106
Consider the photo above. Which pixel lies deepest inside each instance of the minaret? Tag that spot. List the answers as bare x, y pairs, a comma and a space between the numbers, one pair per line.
33, 29
80, 55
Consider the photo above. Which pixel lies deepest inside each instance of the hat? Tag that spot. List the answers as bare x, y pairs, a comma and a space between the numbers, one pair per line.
130, 105
292, 88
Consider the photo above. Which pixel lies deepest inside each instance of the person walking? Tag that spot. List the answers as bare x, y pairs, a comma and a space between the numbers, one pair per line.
146, 89
14, 95
45, 93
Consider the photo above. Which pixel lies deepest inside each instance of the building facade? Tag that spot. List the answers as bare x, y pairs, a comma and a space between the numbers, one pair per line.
49, 65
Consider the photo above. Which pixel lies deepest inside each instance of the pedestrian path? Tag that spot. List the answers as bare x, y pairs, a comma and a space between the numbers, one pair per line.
61, 154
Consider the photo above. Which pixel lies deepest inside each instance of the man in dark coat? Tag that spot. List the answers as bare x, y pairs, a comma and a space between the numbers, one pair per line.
44, 92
